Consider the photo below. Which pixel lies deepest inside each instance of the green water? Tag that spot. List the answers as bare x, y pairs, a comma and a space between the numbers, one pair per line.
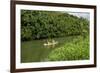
35, 51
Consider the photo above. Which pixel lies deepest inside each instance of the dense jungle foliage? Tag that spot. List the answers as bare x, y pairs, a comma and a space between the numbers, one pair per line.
50, 24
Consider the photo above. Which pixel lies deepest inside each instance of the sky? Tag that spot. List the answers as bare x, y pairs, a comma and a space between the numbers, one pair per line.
81, 14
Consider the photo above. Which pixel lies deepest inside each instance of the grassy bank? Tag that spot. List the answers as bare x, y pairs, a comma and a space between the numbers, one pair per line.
78, 49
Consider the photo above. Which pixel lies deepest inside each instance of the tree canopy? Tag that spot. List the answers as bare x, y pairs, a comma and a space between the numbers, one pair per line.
49, 24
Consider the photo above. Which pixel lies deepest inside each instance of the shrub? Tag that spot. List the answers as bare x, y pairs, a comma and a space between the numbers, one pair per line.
78, 50
26, 33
